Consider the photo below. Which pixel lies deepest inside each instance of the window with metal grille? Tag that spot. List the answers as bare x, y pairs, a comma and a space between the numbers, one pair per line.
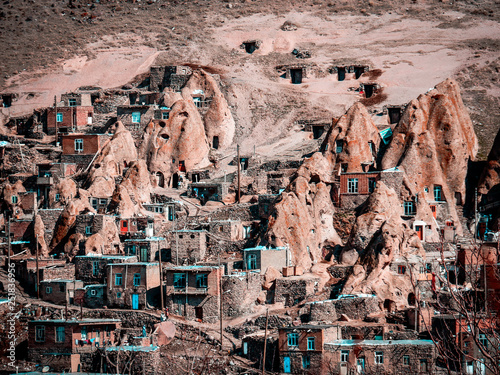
179, 280
202, 280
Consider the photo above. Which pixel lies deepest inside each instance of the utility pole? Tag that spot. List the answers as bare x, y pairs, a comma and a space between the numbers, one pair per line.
475, 215
220, 305
8, 242
37, 270
55, 114
161, 279
239, 172
265, 344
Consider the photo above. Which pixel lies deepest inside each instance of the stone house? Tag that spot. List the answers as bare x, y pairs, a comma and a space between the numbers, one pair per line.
59, 291
239, 293
92, 296
174, 77
351, 305
100, 204
208, 191
188, 245
295, 289
48, 269
193, 291
92, 268
48, 174
133, 285
136, 227
301, 348
380, 356
261, 257
147, 249
135, 117
66, 345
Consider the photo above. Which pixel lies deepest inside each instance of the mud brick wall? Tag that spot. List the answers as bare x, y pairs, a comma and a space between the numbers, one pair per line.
322, 311
84, 267
72, 117
316, 361
240, 293
293, 290
67, 272
96, 222
49, 218
90, 144
190, 245
20, 229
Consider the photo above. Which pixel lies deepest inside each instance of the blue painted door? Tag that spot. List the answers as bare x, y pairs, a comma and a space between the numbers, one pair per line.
135, 302
286, 365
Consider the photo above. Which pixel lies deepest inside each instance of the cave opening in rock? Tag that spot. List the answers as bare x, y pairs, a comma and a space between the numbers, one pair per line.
341, 73
369, 90
358, 71
296, 76
250, 47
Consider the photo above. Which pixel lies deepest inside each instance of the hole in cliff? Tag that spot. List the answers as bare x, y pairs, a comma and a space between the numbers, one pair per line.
162, 124
165, 136
315, 179
296, 76
389, 305
250, 47
341, 73
369, 90
411, 299
97, 166
182, 129
184, 114
394, 114
358, 71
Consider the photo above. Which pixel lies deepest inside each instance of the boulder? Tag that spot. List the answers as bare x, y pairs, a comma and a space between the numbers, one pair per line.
269, 277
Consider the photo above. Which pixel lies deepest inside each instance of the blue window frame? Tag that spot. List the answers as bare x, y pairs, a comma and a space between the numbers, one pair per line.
311, 343
59, 117
118, 279
352, 185
293, 339
137, 279
438, 193
136, 117
179, 280
201, 280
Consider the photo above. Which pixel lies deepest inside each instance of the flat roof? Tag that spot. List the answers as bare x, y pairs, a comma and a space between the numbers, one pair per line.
132, 348
106, 256
379, 342
60, 281
145, 239
81, 321
263, 248
133, 264
192, 268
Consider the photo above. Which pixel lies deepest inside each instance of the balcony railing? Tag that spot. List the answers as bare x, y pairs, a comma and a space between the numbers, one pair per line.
189, 290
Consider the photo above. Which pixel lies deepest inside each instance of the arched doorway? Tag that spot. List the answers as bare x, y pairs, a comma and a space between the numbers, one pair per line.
175, 180
160, 179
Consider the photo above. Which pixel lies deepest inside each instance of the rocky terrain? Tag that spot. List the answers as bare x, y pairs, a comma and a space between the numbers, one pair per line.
351, 205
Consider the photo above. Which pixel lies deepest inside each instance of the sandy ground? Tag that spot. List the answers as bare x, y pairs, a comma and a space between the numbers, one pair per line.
413, 54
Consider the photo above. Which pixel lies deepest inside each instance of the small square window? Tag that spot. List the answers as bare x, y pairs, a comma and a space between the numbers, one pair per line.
406, 360
401, 270
93, 292
88, 229
59, 117
344, 356
165, 115
14, 199
72, 102
201, 280
48, 290
119, 295
57, 197
137, 279
379, 358
136, 117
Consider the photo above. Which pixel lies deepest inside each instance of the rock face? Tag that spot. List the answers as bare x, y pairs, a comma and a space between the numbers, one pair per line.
489, 184
353, 141
303, 218
116, 155
490, 177
39, 234
180, 139
218, 120
378, 238
433, 143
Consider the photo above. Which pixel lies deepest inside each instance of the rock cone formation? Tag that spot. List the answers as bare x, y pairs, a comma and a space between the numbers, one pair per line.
379, 238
